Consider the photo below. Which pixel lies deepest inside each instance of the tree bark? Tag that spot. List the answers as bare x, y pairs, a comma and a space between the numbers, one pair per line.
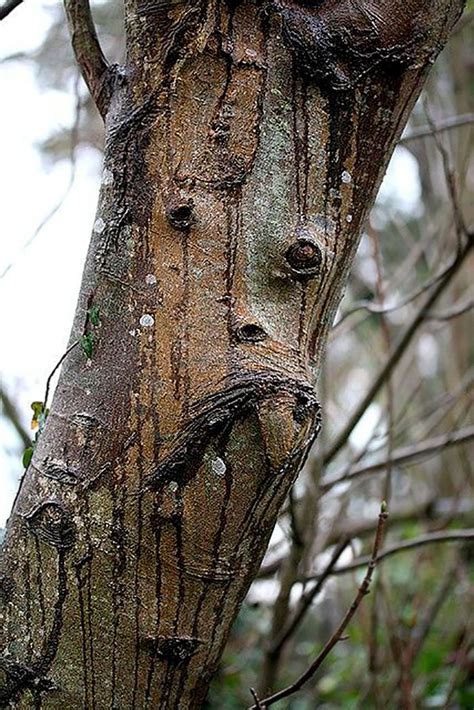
245, 142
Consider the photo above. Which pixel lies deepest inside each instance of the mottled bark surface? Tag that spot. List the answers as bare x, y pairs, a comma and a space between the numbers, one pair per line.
245, 143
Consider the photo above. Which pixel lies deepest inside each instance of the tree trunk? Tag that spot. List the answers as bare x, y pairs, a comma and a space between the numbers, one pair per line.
245, 143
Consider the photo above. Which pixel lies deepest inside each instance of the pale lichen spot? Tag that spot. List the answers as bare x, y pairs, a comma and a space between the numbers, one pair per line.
346, 177
132, 332
218, 466
147, 320
150, 279
99, 225
349, 218
107, 177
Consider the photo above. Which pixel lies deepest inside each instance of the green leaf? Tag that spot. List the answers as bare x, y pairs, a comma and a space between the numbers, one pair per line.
87, 345
94, 315
37, 408
27, 456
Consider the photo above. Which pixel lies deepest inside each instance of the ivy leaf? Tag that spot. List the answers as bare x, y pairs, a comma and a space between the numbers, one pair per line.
87, 345
94, 315
27, 456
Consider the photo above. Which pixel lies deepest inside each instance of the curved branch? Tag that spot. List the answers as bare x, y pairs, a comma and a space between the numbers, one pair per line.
89, 56
464, 535
446, 124
403, 456
337, 635
9, 410
8, 7
399, 350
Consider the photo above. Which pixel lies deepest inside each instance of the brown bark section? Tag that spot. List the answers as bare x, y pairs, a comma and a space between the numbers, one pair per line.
245, 144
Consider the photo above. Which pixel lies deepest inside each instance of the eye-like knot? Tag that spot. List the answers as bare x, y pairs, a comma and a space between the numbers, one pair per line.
304, 257
180, 213
250, 333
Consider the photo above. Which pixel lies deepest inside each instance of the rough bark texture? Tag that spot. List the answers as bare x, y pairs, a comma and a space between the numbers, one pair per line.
245, 143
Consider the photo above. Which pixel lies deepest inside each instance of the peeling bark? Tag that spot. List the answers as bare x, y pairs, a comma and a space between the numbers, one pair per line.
245, 144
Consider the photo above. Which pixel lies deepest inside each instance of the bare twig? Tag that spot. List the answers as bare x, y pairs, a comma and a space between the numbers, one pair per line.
8, 7
421, 631
382, 309
450, 177
306, 600
421, 541
404, 455
453, 312
399, 350
447, 124
54, 370
441, 512
338, 633
94, 67
258, 704
9, 410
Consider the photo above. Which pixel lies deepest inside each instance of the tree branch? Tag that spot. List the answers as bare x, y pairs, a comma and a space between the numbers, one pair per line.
89, 56
448, 124
337, 635
429, 539
10, 412
398, 351
306, 600
441, 511
8, 7
405, 455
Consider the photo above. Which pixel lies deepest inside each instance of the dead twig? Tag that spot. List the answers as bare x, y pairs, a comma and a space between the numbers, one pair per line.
404, 456
429, 539
338, 633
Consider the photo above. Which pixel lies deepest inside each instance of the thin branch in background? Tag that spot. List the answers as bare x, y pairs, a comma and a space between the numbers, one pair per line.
74, 138
10, 412
403, 682
381, 296
433, 129
382, 309
453, 312
403, 343
421, 630
373, 651
430, 539
462, 652
306, 601
436, 408
8, 7
403, 456
258, 705
450, 177
338, 633
405, 655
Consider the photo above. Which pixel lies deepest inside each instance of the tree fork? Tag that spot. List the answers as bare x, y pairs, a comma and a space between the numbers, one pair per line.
245, 142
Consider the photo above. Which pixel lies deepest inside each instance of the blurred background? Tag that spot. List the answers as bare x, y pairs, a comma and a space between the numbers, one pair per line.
396, 388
